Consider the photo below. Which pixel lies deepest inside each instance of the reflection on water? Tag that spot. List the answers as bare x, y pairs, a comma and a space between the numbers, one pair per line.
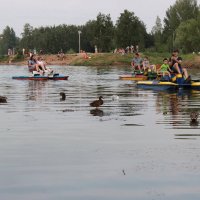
178, 107
132, 125
194, 123
140, 144
97, 112
34, 89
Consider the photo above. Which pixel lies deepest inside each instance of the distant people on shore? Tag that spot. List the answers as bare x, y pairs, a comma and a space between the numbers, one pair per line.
61, 55
137, 48
120, 51
10, 52
23, 51
131, 49
41, 52
127, 50
84, 54
30, 54
95, 49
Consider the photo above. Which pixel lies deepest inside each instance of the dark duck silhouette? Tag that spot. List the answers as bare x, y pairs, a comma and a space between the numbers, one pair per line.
97, 103
194, 116
63, 96
3, 99
97, 112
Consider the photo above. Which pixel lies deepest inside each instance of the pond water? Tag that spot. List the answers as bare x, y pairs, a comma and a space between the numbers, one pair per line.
141, 146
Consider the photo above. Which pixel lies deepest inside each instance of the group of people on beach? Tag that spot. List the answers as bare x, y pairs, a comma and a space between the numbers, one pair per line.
127, 50
38, 65
169, 66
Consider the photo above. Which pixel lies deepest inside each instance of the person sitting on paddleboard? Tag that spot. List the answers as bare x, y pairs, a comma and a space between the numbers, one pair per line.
173, 59
164, 68
175, 65
42, 65
137, 62
32, 63
178, 69
35, 66
146, 63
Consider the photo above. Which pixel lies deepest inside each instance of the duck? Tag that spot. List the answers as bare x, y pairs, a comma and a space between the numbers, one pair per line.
97, 103
194, 116
3, 99
63, 96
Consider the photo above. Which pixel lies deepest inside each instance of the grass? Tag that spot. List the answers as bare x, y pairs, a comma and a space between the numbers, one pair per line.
108, 59
102, 59
111, 59
15, 59
4, 58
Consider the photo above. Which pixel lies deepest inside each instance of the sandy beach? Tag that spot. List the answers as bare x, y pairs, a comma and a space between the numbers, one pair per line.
50, 60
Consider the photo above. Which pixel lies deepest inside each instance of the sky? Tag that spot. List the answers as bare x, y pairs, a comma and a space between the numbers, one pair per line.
16, 13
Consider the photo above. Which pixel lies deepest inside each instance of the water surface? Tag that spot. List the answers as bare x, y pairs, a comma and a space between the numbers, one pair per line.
141, 146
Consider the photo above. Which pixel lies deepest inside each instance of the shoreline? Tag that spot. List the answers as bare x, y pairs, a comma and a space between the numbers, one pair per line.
101, 59
50, 60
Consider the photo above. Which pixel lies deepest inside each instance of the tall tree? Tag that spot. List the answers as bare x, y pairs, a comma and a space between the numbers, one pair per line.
188, 36
158, 26
88, 40
27, 40
130, 30
104, 32
181, 11
8, 40
157, 33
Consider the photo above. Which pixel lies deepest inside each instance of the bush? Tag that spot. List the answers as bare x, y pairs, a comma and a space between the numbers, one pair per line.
71, 51
3, 58
18, 57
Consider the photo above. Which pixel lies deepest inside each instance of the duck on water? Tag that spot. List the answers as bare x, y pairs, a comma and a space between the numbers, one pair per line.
97, 103
3, 99
63, 96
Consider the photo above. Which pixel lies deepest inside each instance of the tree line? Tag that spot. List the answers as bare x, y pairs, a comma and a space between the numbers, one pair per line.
180, 29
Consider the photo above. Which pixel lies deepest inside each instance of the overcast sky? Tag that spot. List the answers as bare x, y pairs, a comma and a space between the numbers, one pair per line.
15, 13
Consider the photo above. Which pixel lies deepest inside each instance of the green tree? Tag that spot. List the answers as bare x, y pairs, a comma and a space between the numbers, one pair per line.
188, 36
104, 32
130, 30
88, 39
157, 31
50, 39
27, 39
8, 40
1, 45
181, 11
